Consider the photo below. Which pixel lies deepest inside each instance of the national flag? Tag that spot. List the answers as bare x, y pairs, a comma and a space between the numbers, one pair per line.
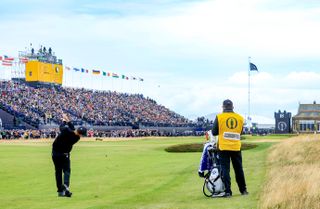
8, 58
109, 74
76, 69
6, 63
96, 72
84, 70
104, 73
125, 77
0, 58
115, 75
140, 79
67, 68
133, 78
253, 67
23, 59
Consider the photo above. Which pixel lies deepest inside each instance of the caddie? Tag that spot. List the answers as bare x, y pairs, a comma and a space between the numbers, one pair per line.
228, 127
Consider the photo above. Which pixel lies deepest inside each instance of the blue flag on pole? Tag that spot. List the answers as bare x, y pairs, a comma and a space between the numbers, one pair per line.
253, 67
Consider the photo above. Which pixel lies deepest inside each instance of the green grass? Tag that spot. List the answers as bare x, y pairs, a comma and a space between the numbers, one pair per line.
121, 174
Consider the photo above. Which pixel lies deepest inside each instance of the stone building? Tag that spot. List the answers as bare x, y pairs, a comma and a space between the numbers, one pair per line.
307, 119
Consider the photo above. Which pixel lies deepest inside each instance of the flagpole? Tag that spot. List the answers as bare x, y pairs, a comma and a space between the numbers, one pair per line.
248, 118
101, 79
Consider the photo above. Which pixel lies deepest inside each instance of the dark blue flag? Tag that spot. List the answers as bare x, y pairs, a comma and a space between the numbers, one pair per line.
253, 67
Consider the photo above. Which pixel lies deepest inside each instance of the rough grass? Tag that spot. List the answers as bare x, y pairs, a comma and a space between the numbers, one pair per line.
293, 180
269, 137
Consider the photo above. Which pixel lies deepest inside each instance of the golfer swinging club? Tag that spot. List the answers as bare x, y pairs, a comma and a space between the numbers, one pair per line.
61, 149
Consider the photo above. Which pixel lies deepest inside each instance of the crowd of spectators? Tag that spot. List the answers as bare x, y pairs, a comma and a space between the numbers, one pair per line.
43, 105
28, 134
126, 133
204, 123
98, 134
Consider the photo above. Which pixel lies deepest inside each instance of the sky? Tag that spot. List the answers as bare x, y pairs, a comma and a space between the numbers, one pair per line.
192, 54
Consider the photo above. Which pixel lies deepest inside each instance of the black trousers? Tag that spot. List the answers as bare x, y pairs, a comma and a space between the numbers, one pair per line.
61, 163
236, 159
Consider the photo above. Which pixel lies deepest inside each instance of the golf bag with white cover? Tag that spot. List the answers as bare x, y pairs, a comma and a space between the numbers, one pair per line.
213, 185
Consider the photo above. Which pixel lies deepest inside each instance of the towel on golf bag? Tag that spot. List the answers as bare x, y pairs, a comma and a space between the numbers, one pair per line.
206, 162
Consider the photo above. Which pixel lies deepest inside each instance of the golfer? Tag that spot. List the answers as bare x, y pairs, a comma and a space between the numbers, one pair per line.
228, 127
61, 149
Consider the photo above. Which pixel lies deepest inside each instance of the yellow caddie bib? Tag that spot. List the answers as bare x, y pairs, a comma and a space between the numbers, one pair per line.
230, 128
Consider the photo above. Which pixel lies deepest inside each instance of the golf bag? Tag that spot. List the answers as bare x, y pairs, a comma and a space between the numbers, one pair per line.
213, 185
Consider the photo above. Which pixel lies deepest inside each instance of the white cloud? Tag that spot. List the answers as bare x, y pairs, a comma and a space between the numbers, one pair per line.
231, 24
304, 79
189, 51
269, 93
217, 29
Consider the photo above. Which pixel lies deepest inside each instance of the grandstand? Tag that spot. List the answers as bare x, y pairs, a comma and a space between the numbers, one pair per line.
39, 106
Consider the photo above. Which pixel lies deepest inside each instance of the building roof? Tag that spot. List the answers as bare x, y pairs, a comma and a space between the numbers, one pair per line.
308, 111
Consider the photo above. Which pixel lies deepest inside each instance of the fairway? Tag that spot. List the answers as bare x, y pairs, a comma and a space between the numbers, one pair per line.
120, 174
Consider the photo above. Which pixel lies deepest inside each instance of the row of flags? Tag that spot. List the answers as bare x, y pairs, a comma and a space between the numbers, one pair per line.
9, 61
104, 73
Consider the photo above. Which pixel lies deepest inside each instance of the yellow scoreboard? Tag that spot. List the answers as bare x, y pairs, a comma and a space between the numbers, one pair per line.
37, 71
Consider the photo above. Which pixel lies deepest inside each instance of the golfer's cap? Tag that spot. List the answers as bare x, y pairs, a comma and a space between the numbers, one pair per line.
227, 103
82, 131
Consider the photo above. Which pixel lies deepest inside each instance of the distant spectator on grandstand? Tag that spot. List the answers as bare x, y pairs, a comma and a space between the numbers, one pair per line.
26, 135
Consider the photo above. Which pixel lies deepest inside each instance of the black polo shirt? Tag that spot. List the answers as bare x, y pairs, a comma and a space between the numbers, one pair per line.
66, 139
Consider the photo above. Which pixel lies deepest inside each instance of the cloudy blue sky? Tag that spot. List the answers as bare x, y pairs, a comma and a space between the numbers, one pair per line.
193, 54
